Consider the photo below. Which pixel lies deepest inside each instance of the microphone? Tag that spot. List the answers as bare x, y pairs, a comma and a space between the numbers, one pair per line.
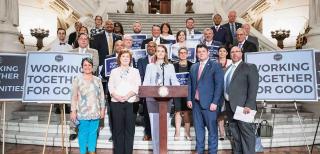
162, 67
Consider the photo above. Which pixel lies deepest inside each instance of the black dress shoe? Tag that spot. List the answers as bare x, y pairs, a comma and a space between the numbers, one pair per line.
73, 137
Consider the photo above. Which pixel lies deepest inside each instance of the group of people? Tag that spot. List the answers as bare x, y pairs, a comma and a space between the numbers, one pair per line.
215, 87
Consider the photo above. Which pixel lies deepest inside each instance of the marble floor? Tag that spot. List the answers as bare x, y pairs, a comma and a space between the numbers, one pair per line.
35, 149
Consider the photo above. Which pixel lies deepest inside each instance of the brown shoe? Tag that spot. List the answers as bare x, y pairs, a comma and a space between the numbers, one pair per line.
91, 152
147, 138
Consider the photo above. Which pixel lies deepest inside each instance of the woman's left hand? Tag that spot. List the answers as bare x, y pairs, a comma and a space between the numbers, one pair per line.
102, 114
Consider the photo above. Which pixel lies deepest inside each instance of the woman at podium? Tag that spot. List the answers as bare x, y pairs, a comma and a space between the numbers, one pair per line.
123, 86
160, 73
87, 106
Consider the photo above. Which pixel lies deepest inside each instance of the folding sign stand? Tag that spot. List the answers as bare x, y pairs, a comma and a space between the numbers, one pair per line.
62, 127
274, 115
3, 126
315, 135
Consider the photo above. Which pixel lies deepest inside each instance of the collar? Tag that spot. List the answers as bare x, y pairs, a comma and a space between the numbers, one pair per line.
204, 62
237, 63
82, 50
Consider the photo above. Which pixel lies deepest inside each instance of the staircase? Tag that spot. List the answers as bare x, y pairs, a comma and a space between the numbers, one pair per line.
176, 21
29, 126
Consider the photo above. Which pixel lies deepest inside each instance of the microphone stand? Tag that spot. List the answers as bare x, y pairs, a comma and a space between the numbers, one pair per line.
162, 67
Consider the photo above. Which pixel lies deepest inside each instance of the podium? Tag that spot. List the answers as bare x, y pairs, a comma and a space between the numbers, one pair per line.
172, 92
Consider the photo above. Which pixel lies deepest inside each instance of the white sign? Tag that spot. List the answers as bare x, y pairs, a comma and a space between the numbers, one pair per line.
285, 75
49, 75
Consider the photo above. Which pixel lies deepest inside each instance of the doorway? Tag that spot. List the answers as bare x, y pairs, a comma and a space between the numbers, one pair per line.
159, 6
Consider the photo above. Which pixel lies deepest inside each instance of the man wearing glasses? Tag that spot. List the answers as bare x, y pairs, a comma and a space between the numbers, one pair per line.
243, 44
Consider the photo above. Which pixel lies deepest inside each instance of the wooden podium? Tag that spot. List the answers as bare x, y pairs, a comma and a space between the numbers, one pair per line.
173, 91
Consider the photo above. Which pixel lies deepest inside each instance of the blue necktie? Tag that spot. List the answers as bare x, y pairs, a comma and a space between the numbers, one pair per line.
233, 30
229, 77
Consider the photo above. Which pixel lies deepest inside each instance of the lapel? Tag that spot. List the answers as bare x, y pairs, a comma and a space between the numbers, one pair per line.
237, 71
206, 67
195, 75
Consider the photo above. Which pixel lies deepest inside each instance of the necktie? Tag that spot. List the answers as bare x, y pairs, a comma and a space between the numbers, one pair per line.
229, 77
240, 45
62, 43
198, 78
232, 30
110, 43
217, 28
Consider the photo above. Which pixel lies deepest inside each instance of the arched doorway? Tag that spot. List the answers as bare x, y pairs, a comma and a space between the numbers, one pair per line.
159, 6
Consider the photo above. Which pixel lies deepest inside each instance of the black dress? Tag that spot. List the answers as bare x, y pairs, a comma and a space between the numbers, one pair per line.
180, 104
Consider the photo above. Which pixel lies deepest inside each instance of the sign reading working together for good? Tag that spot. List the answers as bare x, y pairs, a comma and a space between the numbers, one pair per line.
11, 76
49, 76
285, 75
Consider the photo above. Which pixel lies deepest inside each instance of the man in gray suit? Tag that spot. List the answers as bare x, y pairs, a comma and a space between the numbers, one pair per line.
241, 85
83, 41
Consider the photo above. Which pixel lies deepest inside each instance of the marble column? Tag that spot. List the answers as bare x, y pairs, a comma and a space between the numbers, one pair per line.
9, 21
314, 22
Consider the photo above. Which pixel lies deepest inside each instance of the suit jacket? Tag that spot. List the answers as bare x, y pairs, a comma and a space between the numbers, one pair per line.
146, 41
176, 66
215, 43
142, 66
101, 44
95, 57
154, 74
248, 47
227, 27
210, 84
72, 38
254, 40
243, 86
221, 35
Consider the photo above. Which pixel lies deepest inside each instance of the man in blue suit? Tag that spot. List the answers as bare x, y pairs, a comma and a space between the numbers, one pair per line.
205, 88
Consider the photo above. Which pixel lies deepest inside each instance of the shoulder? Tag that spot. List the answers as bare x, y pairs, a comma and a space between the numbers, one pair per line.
96, 78
92, 50
225, 25
74, 50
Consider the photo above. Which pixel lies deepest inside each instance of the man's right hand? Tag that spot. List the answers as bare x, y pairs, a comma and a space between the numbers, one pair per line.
189, 104
73, 116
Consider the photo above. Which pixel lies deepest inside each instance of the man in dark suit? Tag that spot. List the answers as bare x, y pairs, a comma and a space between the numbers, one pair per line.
155, 37
220, 32
208, 38
190, 31
243, 44
142, 66
205, 88
104, 42
232, 27
241, 84
249, 37
74, 35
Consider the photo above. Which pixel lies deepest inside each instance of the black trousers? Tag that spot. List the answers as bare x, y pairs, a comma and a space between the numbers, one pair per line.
123, 122
147, 127
243, 134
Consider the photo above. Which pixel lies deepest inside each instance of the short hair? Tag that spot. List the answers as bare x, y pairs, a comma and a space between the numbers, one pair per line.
88, 59
217, 15
61, 29
85, 28
87, 35
126, 36
241, 30
155, 26
166, 60
153, 43
137, 22
168, 25
189, 19
207, 29
201, 46
95, 18
235, 47
124, 51
179, 32
183, 48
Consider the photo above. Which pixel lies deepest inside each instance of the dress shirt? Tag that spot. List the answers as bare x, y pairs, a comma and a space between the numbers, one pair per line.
60, 46
209, 43
156, 39
235, 65
82, 50
121, 82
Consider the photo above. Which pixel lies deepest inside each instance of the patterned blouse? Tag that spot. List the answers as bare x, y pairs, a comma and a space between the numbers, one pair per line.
87, 97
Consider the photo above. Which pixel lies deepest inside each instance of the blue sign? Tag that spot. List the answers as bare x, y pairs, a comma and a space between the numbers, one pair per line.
174, 56
110, 63
183, 78
137, 40
213, 50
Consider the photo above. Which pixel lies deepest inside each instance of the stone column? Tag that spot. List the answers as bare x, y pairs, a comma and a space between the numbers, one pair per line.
9, 21
314, 22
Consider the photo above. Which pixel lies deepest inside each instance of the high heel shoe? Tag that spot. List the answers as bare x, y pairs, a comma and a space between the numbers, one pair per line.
176, 138
188, 138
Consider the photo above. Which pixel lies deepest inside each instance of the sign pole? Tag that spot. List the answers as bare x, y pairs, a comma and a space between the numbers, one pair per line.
315, 135
65, 126
302, 127
46, 135
62, 125
3, 126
